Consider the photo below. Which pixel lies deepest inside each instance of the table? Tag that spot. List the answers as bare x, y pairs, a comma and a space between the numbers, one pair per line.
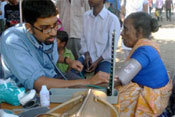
10, 107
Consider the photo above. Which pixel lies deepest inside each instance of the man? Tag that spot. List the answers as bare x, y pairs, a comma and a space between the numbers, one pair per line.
29, 51
98, 26
71, 14
12, 14
131, 6
2, 27
114, 7
2, 18
168, 7
159, 8
150, 4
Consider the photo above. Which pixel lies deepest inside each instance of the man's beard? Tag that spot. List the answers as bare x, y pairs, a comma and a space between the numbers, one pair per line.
48, 42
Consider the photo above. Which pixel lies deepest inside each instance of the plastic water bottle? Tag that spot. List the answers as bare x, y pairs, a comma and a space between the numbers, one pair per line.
44, 96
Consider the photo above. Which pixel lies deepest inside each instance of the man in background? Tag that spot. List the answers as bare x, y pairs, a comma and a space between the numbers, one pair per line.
71, 14
96, 43
12, 13
168, 7
2, 18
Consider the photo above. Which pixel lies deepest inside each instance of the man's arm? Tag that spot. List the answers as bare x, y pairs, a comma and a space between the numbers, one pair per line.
100, 77
83, 41
145, 6
58, 5
122, 10
57, 83
86, 5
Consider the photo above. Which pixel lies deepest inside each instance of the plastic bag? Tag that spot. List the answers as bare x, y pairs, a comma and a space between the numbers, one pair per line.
10, 92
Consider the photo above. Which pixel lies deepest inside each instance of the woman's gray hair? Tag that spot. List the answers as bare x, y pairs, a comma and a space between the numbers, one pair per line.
144, 21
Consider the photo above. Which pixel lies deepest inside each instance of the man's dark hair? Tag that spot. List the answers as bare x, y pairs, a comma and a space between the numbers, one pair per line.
34, 9
62, 36
104, 1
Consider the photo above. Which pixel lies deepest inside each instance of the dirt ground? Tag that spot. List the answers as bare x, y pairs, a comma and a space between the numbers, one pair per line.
166, 40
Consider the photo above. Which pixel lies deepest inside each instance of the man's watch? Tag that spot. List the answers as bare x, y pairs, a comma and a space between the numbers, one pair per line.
65, 58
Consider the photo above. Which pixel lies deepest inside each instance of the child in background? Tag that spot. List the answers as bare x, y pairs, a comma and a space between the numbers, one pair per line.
62, 39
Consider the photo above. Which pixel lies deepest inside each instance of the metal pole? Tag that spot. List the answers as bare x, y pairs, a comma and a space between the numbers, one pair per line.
20, 9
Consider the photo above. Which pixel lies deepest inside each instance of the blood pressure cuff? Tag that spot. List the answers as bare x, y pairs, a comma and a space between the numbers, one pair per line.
128, 71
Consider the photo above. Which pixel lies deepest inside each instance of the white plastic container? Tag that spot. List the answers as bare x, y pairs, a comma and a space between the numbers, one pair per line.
44, 96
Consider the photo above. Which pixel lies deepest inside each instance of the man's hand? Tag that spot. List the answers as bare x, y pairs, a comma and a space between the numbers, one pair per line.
99, 78
92, 67
87, 60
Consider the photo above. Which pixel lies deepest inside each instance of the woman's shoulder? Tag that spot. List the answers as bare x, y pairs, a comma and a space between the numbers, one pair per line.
146, 48
146, 55
146, 52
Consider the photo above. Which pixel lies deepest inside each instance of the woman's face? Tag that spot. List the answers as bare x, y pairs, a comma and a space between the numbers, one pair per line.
129, 33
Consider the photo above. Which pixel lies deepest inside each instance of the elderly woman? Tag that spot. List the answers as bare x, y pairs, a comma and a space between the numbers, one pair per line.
145, 86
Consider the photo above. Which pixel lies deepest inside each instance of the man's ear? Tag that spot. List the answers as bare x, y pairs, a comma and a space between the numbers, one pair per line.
29, 28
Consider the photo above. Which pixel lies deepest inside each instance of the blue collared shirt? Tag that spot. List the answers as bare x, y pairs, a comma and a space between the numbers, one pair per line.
97, 34
23, 58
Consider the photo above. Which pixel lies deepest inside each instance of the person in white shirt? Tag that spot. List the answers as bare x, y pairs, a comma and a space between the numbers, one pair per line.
2, 19
71, 15
128, 7
96, 42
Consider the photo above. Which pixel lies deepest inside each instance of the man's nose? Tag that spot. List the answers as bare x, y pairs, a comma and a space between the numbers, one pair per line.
53, 32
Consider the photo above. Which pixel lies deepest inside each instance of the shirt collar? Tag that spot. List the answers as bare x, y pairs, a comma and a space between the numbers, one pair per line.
102, 14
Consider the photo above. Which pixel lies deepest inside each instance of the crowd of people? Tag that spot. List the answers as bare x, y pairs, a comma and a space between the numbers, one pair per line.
160, 5
58, 51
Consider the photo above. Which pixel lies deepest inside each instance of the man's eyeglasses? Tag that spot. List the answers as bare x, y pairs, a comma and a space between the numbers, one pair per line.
47, 30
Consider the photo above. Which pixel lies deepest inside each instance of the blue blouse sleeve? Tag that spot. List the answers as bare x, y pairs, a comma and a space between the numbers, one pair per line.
144, 55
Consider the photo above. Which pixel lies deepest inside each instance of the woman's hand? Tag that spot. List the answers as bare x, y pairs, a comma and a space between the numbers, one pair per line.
99, 78
117, 81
